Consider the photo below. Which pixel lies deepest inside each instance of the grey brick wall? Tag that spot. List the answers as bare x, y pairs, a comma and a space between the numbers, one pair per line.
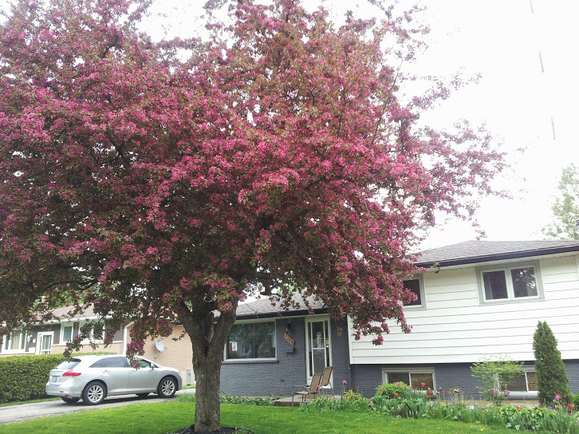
277, 377
365, 378
269, 378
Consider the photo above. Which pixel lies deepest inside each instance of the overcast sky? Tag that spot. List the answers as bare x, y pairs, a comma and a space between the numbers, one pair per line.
526, 51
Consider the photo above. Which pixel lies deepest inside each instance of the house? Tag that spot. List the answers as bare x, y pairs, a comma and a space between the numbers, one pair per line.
52, 336
269, 351
476, 300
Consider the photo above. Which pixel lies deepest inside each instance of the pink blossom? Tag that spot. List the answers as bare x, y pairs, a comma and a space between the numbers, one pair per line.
558, 396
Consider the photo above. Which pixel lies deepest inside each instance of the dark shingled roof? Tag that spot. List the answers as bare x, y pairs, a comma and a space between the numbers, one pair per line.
264, 308
472, 252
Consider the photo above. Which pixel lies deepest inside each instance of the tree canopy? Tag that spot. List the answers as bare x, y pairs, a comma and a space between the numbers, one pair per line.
169, 179
565, 209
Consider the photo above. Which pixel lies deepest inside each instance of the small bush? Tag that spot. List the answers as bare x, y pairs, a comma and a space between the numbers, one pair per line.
495, 375
392, 390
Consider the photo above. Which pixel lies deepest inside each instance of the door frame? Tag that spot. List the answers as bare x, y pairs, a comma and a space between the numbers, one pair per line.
39, 337
328, 340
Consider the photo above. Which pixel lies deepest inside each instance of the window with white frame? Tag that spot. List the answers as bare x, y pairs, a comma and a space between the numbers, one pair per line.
515, 282
255, 340
15, 341
418, 379
417, 288
96, 334
527, 382
66, 332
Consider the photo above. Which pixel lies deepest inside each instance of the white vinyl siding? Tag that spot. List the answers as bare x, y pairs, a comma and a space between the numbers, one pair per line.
456, 328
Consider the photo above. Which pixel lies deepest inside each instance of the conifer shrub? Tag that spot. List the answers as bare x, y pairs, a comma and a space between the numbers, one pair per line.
552, 379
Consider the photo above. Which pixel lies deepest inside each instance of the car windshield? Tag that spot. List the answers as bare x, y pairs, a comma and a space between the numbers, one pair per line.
70, 364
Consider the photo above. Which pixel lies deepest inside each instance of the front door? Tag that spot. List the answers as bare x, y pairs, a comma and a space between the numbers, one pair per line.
44, 343
319, 345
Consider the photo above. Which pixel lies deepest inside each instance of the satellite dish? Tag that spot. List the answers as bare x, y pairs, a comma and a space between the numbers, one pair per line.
160, 347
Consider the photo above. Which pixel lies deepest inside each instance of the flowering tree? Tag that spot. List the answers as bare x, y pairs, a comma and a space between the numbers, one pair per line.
166, 180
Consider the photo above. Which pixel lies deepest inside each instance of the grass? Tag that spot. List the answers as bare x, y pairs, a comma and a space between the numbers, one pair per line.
160, 418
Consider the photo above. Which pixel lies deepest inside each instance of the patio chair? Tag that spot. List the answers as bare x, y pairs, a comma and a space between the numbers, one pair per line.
308, 391
325, 382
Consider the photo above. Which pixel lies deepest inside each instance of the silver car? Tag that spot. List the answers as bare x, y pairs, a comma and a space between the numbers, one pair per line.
93, 378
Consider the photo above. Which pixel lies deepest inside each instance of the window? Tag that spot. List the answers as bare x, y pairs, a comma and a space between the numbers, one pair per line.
66, 331
419, 379
416, 287
96, 334
111, 362
251, 341
518, 282
15, 341
525, 383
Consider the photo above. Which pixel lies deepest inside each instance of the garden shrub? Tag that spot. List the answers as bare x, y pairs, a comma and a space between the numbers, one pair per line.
23, 378
392, 390
552, 379
398, 399
495, 375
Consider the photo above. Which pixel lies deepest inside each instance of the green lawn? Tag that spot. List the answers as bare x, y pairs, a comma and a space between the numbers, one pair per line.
159, 418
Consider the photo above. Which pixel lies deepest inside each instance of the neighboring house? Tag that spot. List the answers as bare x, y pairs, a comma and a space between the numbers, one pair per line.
476, 300
174, 351
53, 336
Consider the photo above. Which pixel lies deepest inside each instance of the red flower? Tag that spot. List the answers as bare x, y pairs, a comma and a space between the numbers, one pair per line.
430, 393
571, 407
395, 395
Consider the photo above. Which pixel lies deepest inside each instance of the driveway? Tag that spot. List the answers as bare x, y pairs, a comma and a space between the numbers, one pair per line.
17, 413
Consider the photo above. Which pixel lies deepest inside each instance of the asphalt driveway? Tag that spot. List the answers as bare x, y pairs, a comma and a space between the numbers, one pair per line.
17, 413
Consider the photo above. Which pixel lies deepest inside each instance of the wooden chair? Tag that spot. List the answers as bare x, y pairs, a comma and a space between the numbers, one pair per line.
308, 391
325, 382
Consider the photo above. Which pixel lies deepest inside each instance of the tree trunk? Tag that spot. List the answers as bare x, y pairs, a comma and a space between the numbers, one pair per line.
208, 335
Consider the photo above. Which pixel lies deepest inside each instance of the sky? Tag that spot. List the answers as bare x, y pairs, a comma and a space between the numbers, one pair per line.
527, 96
525, 51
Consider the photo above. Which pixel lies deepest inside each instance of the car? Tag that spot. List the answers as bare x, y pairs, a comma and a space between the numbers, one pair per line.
93, 378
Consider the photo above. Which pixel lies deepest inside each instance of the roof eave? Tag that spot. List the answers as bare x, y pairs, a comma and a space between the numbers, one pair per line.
498, 257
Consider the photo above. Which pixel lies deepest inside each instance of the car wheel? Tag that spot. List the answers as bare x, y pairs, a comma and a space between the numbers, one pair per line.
69, 400
94, 393
167, 387
143, 395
